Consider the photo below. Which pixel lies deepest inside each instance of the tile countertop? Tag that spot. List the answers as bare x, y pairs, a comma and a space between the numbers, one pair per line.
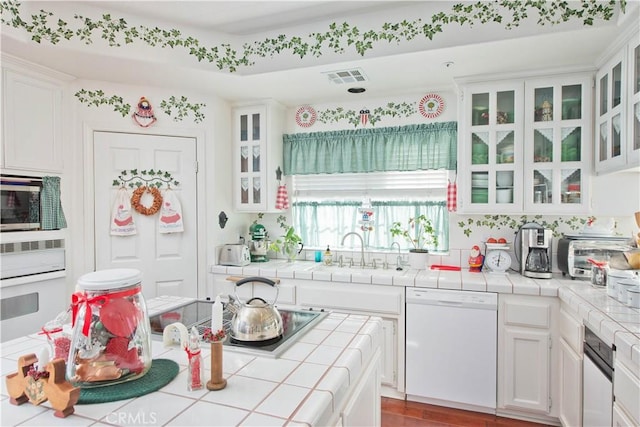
611, 320
303, 387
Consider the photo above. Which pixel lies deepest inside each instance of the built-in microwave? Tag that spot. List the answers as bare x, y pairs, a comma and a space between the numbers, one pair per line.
20, 205
574, 253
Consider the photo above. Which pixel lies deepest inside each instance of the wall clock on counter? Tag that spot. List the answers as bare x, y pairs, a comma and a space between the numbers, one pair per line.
306, 116
431, 106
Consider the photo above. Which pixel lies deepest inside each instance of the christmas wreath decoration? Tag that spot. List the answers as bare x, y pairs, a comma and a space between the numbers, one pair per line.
155, 206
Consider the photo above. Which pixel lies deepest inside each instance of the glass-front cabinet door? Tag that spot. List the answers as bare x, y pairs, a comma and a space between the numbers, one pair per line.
490, 172
249, 155
611, 96
557, 148
634, 101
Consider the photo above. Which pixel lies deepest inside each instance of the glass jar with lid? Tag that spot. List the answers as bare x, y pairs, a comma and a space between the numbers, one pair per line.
111, 340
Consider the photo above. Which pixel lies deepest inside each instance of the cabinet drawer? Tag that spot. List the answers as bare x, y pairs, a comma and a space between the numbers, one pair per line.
571, 331
626, 389
371, 300
528, 314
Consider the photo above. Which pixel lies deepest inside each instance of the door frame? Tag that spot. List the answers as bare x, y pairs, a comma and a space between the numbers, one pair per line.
87, 241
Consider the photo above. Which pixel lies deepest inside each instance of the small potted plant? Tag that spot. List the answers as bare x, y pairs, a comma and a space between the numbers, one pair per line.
290, 244
420, 234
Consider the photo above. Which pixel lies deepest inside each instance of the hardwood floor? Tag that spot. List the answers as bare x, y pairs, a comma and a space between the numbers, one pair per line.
400, 413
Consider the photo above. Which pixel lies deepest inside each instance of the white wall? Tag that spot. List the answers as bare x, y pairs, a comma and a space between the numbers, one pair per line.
214, 159
613, 196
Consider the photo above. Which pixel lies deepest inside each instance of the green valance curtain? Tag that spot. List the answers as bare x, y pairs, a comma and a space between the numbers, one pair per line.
399, 148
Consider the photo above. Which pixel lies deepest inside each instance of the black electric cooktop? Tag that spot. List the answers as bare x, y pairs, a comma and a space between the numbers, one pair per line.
198, 313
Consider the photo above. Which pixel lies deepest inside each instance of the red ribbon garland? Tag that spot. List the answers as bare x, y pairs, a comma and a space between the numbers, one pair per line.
47, 332
79, 298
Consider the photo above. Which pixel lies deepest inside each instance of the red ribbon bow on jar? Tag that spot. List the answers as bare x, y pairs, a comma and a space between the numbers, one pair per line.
79, 298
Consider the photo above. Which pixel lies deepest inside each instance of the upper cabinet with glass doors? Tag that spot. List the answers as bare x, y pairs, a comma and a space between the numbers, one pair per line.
633, 55
617, 110
257, 155
557, 149
524, 145
490, 172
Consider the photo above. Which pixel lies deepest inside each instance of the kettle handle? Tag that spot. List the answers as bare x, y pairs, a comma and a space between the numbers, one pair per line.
255, 279
261, 280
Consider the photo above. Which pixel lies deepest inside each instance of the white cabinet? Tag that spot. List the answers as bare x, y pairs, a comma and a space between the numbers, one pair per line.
364, 406
389, 355
257, 155
569, 381
610, 107
32, 121
626, 390
620, 418
617, 112
490, 147
633, 105
384, 301
525, 145
526, 363
557, 155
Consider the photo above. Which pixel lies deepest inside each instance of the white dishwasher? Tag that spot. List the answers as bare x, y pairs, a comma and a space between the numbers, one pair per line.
451, 348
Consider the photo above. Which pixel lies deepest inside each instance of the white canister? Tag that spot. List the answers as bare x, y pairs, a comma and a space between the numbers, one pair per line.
614, 277
633, 297
623, 287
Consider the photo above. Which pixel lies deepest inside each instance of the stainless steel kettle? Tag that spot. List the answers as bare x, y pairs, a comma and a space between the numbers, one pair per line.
255, 321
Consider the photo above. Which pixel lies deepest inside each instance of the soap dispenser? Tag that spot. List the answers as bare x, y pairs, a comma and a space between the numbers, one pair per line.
328, 257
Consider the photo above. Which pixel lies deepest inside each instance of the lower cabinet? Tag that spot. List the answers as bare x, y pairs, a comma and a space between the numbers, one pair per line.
389, 355
364, 406
570, 413
386, 302
526, 363
620, 418
570, 367
626, 391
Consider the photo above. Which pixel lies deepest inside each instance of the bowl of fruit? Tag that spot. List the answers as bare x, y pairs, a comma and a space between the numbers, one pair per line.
497, 243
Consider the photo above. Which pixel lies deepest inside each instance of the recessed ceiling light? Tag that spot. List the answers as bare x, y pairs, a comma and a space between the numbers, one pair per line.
356, 90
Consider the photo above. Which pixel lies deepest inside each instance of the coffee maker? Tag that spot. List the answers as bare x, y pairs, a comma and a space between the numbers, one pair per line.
535, 251
258, 245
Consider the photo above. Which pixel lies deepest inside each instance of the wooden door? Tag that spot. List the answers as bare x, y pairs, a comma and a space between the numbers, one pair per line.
168, 261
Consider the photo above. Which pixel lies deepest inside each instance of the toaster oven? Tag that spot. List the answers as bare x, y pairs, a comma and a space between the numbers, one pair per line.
574, 253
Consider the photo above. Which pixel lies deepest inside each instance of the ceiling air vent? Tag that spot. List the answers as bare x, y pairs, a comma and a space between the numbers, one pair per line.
355, 75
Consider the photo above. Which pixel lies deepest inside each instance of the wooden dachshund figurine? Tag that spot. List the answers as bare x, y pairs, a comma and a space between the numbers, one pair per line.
61, 394
17, 382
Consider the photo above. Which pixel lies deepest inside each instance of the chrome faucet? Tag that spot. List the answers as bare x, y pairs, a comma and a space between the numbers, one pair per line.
361, 244
399, 257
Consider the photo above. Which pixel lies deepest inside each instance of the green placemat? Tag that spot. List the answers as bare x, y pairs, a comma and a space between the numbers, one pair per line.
161, 373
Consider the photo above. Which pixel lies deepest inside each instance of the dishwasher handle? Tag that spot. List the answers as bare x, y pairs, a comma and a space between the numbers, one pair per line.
449, 302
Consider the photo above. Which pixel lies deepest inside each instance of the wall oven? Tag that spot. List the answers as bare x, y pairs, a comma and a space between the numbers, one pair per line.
20, 203
32, 284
